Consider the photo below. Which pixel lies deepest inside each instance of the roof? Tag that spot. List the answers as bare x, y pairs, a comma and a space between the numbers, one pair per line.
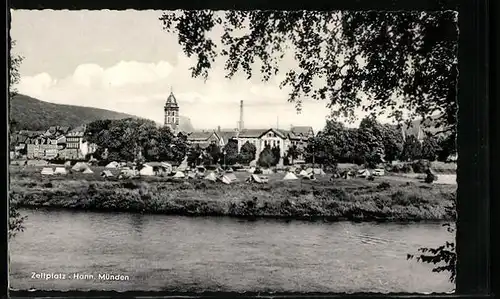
428, 125
304, 130
252, 133
31, 133
171, 101
227, 135
301, 132
200, 135
77, 132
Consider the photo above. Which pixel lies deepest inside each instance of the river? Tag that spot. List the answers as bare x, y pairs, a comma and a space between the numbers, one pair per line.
158, 252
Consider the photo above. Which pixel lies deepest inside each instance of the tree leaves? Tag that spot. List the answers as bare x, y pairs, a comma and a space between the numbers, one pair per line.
247, 153
398, 60
126, 138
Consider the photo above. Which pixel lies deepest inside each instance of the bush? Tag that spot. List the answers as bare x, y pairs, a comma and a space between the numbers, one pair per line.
420, 166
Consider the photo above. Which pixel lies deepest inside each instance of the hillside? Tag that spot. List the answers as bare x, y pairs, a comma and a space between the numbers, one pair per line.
34, 114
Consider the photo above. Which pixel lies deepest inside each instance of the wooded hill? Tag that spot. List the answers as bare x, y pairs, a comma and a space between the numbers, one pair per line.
32, 114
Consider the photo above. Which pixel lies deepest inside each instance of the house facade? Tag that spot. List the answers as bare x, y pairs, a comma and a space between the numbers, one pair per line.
56, 142
42, 147
283, 139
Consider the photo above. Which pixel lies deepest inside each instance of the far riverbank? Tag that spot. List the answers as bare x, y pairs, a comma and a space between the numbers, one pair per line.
355, 199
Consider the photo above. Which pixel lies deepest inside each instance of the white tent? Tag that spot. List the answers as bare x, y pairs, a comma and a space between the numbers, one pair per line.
229, 178
47, 171
267, 171
290, 176
146, 170
191, 175
258, 179
211, 177
60, 170
309, 170
379, 172
126, 173
184, 165
347, 175
251, 170
67, 164
88, 170
318, 171
253, 163
363, 173
304, 173
80, 166
106, 173
113, 164
292, 169
179, 174
310, 177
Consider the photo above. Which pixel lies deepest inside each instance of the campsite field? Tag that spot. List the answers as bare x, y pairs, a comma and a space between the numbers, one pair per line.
388, 198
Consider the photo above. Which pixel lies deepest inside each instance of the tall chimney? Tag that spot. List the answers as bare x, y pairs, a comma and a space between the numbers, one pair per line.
241, 124
218, 129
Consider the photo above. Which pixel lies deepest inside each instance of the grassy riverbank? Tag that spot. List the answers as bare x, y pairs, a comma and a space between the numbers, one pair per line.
355, 199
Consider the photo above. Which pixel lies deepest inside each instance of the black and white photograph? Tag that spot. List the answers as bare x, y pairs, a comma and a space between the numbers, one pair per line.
233, 151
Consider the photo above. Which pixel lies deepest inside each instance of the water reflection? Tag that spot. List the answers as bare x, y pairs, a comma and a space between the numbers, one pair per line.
224, 254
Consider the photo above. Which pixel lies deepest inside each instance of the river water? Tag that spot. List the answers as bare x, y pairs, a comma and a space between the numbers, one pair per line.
158, 252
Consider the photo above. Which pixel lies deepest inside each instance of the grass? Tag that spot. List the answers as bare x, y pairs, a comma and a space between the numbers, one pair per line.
356, 199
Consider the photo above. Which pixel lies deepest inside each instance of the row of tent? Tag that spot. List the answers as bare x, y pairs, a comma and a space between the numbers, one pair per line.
61, 170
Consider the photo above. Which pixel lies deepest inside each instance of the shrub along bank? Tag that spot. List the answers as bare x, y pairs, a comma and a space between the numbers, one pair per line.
355, 199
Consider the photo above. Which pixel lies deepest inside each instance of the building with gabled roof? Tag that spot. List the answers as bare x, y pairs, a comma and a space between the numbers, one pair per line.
204, 138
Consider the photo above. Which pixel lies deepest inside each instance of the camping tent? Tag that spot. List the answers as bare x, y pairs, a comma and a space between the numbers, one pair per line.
304, 173
47, 171
60, 170
179, 174
87, 171
258, 179
167, 166
253, 163
67, 164
184, 165
309, 170
290, 176
318, 171
127, 173
310, 177
267, 171
146, 170
363, 173
113, 164
80, 166
191, 175
106, 174
251, 170
347, 175
228, 178
211, 177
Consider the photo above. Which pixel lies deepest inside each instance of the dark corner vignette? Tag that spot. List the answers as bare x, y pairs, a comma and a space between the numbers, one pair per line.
475, 140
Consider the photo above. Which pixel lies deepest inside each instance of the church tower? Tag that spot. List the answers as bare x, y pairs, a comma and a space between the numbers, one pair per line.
172, 113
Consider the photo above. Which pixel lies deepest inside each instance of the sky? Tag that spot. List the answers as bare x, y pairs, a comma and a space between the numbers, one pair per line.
124, 61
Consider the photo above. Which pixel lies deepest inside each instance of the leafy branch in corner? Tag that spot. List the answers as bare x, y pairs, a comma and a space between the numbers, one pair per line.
444, 256
397, 61
15, 219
